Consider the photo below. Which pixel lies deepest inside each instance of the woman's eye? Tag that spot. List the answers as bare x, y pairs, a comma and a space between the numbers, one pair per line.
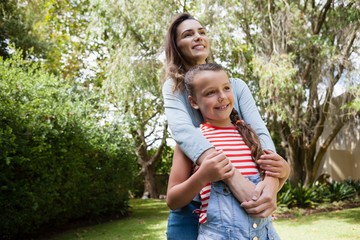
187, 35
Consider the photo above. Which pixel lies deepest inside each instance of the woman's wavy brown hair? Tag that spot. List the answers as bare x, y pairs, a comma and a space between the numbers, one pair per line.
175, 67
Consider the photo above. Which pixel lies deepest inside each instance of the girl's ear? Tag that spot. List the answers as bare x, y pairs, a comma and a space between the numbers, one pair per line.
193, 102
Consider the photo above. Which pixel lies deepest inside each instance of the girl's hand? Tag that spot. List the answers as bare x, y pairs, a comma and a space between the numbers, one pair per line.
215, 167
274, 165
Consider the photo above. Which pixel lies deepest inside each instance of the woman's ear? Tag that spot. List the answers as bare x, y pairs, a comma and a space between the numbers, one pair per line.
193, 102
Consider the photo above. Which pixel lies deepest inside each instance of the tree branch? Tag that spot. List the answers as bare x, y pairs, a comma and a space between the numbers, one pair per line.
159, 151
322, 17
324, 147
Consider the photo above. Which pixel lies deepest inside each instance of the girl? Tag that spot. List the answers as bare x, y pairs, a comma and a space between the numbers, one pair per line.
187, 45
221, 215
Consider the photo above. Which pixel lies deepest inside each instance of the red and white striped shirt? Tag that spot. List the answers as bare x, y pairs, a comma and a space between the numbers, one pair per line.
231, 142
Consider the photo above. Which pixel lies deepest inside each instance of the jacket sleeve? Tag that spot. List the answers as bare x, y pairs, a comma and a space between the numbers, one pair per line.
249, 112
184, 122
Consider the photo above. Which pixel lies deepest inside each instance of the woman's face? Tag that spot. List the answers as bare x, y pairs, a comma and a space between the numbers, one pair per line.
192, 42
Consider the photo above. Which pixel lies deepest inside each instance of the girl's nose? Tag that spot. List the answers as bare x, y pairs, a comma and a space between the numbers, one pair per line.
222, 96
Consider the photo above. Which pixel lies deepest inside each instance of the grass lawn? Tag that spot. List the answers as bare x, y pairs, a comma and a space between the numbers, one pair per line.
148, 221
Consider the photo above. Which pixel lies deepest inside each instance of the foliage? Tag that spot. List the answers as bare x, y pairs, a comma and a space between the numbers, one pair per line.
58, 34
56, 162
308, 196
341, 191
294, 55
298, 74
134, 33
354, 184
16, 29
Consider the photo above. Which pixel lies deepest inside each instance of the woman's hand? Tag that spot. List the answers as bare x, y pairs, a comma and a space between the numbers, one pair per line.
263, 202
274, 165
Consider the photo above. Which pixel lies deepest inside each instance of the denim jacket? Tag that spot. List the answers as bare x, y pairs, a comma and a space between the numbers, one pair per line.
184, 121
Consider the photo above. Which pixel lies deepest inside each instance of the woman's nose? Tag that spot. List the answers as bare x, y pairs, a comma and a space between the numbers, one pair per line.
197, 36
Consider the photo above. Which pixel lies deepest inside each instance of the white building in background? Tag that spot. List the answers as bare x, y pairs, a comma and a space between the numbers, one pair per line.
342, 160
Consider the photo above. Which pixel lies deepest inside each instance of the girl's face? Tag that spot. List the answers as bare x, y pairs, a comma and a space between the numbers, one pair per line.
192, 42
213, 97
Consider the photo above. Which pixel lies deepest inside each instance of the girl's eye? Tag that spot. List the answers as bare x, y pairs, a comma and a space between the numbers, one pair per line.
210, 93
227, 88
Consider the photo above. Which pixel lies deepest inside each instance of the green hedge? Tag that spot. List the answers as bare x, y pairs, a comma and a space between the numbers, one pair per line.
56, 162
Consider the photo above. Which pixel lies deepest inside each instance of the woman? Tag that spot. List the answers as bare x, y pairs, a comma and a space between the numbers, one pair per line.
187, 45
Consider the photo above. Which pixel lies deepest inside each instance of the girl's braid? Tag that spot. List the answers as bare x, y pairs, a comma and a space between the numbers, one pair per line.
249, 136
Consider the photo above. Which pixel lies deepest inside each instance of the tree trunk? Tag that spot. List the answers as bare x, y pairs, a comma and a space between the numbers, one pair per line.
309, 155
147, 161
295, 155
149, 182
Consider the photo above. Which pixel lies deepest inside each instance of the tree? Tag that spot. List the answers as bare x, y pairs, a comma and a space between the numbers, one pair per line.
298, 53
16, 29
57, 162
58, 34
134, 32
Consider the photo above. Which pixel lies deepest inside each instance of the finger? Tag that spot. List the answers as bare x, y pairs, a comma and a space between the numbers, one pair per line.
269, 154
267, 151
250, 205
229, 166
270, 168
257, 191
229, 173
272, 174
271, 162
215, 153
273, 157
223, 160
256, 209
218, 157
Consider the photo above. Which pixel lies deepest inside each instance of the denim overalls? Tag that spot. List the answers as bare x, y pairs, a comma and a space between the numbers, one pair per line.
227, 220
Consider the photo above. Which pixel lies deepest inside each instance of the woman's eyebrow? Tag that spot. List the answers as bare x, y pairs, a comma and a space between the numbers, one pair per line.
186, 31
191, 30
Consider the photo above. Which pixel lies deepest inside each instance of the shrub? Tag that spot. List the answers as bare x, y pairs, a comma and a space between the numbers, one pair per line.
309, 196
340, 191
285, 197
355, 184
56, 162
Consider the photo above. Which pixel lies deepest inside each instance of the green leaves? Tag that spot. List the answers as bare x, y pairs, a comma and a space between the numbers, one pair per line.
279, 86
57, 161
308, 196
